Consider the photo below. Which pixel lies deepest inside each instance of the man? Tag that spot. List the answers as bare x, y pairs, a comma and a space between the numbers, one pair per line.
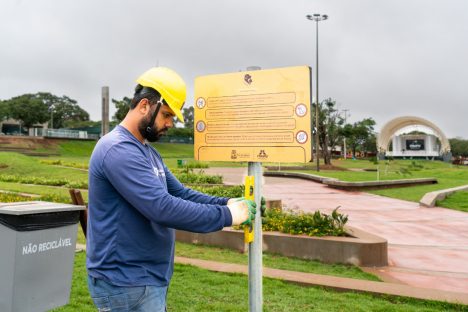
135, 203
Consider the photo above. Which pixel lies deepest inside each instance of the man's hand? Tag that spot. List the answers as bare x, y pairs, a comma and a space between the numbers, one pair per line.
242, 211
262, 207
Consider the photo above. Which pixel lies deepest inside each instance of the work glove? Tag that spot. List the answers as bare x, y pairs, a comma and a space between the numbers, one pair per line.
242, 211
262, 206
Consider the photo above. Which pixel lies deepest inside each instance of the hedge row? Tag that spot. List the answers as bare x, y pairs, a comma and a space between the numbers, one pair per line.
43, 181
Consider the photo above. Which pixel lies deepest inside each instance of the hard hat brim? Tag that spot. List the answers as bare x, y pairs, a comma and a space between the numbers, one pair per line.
178, 113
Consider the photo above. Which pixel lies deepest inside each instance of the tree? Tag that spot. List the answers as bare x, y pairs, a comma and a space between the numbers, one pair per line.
4, 110
187, 112
30, 109
188, 117
459, 147
180, 132
64, 110
72, 124
330, 124
122, 106
359, 134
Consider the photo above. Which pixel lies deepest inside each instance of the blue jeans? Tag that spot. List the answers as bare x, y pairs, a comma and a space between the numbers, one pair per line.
108, 297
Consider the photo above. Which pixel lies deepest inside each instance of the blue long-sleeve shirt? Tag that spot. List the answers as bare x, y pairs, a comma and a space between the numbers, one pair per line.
135, 203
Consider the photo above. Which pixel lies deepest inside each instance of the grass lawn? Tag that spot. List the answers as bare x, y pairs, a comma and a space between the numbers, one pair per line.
194, 289
76, 148
272, 261
22, 165
457, 200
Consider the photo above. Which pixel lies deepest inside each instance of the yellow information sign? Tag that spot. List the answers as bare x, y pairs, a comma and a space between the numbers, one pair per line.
258, 116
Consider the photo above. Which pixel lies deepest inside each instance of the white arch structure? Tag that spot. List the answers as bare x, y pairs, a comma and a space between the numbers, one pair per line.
387, 132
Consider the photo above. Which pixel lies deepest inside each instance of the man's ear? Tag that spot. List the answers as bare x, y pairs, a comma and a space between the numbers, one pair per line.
143, 106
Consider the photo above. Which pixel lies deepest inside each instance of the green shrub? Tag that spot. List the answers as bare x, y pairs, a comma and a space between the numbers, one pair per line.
312, 224
60, 162
221, 191
12, 198
196, 165
43, 181
56, 198
200, 178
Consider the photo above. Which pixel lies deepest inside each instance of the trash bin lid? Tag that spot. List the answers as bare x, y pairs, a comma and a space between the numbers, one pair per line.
38, 215
36, 207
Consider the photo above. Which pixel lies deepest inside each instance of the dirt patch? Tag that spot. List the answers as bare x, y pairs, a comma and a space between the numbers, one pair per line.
31, 146
17, 143
331, 167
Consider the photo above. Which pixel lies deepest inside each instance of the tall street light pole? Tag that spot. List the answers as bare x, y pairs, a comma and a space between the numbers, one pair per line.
317, 18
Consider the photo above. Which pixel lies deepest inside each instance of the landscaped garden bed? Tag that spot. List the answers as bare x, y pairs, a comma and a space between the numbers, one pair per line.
359, 248
307, 236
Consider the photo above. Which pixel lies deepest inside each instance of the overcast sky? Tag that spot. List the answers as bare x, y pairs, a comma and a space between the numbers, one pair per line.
379, 59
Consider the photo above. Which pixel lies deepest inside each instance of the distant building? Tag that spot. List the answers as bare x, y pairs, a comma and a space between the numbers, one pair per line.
413, 137
13, 127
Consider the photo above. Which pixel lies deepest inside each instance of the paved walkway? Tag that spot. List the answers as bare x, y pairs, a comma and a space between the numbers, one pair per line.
428, 247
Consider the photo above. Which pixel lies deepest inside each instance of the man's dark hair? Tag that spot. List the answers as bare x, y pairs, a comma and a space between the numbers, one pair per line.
141, 93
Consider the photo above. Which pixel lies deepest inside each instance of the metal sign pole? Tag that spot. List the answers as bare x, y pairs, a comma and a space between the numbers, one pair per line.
255, 247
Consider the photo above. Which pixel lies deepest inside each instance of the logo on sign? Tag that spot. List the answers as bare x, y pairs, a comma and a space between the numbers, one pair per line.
233, 154
262, 154
248, 79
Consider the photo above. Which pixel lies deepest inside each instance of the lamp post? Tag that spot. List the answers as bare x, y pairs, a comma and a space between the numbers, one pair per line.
317, 18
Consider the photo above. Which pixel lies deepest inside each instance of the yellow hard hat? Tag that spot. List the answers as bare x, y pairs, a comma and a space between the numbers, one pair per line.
169, 84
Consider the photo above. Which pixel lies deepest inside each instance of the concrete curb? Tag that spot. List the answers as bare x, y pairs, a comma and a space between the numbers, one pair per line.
365, 185
360, 248
305, 176
430, 199
352, 186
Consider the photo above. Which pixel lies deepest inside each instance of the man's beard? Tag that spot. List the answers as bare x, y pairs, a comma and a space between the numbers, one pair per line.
154, 134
